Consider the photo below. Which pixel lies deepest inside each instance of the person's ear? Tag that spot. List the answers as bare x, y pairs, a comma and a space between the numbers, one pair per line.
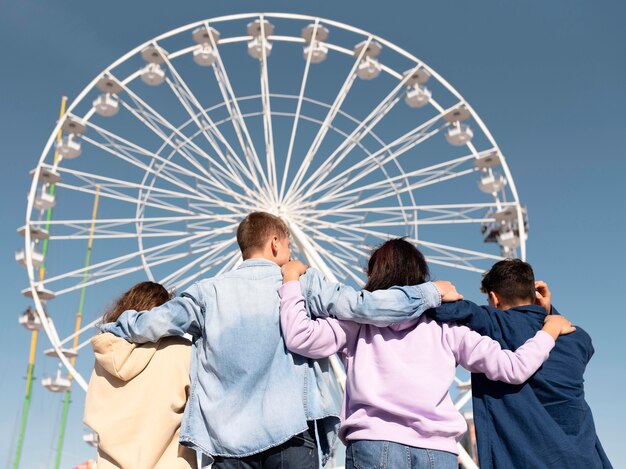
274, 246
495, 301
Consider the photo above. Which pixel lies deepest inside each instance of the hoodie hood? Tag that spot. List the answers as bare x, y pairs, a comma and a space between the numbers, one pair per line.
120, 358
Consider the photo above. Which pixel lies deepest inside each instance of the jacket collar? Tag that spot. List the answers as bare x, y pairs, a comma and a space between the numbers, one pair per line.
530, 309
257, 262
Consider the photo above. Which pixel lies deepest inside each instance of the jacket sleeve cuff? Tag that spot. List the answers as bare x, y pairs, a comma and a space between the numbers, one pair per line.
430, 294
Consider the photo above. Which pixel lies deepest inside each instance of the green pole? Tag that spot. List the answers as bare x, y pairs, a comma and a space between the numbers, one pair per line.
33, 340
31, 361
29, 384
79, 318
66, 407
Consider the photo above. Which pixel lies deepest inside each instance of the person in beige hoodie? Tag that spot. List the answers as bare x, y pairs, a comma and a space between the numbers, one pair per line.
137, 393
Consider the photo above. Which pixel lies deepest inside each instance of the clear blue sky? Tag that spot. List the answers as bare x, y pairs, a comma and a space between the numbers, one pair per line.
546, 77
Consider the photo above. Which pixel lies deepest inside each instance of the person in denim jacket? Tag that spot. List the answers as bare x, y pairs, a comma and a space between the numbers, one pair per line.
253, 403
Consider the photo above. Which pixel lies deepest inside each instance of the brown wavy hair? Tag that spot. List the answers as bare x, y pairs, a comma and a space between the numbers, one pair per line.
141, 297
396, 262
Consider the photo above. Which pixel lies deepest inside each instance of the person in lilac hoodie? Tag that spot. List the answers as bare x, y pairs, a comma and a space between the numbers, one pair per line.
397, 411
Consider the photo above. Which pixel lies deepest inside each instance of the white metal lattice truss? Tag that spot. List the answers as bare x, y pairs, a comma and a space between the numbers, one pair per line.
349, 138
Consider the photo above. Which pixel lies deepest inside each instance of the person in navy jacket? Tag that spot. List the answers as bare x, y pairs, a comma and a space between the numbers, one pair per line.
545, 422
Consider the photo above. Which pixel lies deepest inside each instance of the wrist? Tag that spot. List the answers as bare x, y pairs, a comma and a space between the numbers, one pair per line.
290, 277
552, 330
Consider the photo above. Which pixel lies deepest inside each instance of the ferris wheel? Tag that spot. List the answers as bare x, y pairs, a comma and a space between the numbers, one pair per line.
346, 136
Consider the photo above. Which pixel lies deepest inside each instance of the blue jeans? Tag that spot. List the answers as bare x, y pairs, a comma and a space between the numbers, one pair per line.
368, 454
300, 452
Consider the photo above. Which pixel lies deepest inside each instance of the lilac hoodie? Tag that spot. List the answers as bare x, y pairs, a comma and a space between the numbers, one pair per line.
398, 377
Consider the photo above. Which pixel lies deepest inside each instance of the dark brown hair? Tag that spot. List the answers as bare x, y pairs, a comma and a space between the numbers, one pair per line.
256, 228
141, 297
396, 262
512, 279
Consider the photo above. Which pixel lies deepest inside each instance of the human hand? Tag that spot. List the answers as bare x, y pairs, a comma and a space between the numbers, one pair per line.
447, 291
292, 270
556, 325
543, 296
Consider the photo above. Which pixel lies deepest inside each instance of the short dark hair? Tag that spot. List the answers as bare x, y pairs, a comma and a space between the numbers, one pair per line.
512, 279
141, 297
396, 262
256, 228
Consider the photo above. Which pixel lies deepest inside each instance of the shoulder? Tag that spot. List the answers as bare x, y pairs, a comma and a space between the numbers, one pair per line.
579, 337
312, 275
311, 279
177, 348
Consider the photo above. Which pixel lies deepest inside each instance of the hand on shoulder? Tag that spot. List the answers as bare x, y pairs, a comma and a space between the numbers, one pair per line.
447, 291
557, 325
292, 270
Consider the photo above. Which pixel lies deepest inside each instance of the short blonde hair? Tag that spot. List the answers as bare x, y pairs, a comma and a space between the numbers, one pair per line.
254, 231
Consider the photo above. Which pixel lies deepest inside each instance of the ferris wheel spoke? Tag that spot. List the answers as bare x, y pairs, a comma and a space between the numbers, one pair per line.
208, 255
177, 145
459, 258
338, 263
184, 93
232, 105
453, 256
150, 226
393, 150
161, 172
121, 273
155, 259
81, 331
230, 257
211, 138
330, 116
413, 186
415, 215
182, 90
109, 269
123, 150
296, 118
363, 129
116, 261
426, 175
398, 188
123, 198
354, 247
145, 112
268, 132
111, 183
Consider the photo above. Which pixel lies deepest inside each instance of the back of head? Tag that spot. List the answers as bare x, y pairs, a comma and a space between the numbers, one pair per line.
396, 262
256, 229
141, 297
513, 280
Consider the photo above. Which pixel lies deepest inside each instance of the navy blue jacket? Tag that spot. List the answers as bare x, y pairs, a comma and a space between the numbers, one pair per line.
545, 422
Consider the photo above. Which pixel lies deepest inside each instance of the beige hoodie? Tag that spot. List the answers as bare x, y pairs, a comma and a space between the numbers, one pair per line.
135, 403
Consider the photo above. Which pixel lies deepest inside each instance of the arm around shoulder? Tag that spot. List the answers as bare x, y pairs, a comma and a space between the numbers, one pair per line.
313, 338
481, 354
477, 318
380, 307
179, 316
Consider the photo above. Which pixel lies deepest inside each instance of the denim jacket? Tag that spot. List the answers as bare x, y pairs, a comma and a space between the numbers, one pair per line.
248, 392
